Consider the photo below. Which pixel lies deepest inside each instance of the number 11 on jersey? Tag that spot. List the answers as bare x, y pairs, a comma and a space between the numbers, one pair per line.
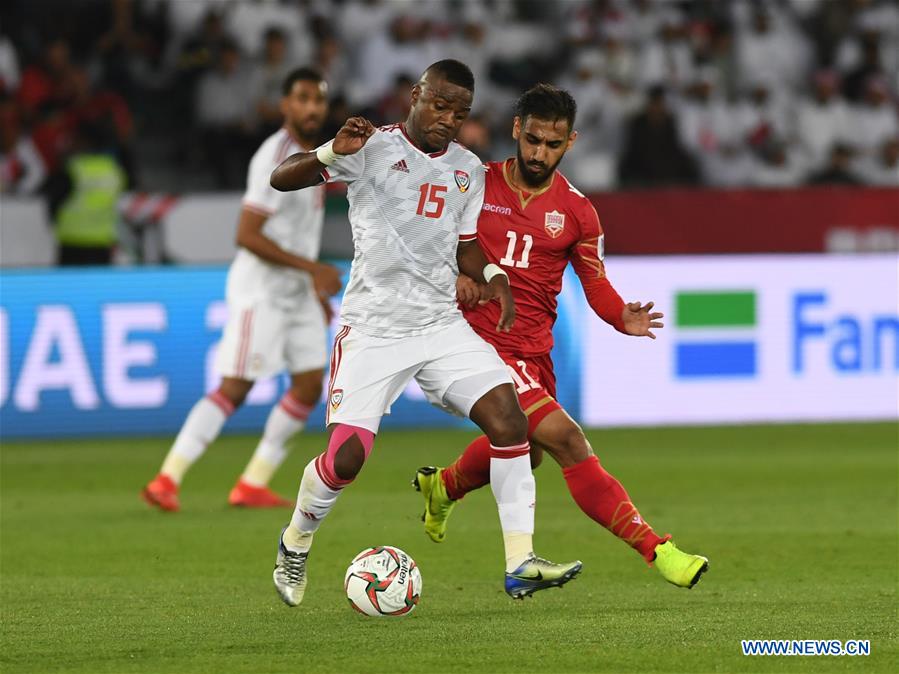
508, 260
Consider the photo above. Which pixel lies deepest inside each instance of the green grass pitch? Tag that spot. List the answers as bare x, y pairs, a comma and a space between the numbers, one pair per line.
800, 524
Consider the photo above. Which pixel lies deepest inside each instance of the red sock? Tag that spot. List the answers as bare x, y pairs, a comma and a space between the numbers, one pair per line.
470, 471
603, 499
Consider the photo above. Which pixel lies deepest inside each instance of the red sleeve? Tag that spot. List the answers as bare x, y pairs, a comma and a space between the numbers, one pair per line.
586, 258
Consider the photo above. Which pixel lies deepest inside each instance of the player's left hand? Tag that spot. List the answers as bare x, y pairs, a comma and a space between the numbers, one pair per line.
498, 289
640, 319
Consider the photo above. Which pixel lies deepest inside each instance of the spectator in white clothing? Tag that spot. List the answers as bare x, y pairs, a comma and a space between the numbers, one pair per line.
771, 52
711, 132
822, 120
763, 115
873, 121
384, 56
667, 60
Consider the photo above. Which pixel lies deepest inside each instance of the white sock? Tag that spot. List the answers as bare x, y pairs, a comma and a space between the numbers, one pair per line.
514, 489
282, 424
314, 501
202, 426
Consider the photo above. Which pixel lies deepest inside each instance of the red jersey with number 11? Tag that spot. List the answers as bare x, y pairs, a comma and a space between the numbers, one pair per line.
532, 237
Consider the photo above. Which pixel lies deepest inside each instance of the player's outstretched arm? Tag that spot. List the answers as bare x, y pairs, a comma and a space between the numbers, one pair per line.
473, 263
304, 169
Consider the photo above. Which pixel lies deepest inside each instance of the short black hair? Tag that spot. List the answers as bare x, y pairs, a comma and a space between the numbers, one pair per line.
454, 72
544, 101
302, 74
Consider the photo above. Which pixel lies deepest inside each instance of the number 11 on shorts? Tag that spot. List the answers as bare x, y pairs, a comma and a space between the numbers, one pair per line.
523, 380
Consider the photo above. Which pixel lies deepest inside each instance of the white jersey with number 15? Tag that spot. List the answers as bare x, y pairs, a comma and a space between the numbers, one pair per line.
408, 211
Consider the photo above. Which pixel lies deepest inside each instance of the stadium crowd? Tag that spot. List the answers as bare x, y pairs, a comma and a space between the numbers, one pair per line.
774, 93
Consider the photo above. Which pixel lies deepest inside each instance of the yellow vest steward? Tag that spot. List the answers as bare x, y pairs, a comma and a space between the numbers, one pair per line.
90, 214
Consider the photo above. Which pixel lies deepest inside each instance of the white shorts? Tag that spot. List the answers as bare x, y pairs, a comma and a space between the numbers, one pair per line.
263, 339
453, 366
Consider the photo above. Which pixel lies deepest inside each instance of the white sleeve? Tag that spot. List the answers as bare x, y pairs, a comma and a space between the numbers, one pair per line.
468, 223
346, 169
260, 195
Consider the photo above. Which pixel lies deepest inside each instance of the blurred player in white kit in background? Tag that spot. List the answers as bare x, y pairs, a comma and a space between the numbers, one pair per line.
277, 296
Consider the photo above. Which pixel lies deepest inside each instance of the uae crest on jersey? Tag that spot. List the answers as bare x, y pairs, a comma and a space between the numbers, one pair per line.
554, 223
336, 398
463, 180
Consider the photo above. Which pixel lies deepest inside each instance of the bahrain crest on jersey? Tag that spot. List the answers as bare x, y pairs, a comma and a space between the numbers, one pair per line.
554, 223
463, 180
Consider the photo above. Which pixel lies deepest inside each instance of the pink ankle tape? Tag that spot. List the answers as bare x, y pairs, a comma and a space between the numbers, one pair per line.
324, 463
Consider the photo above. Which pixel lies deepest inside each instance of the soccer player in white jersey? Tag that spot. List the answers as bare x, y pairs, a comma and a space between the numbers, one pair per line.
415, 196
277, 296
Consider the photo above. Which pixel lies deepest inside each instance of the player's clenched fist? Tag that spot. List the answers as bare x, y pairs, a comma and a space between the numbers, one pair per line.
326, 279
468, 291
352, 135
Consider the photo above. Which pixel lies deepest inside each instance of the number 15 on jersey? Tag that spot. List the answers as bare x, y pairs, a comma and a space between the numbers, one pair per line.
431, 200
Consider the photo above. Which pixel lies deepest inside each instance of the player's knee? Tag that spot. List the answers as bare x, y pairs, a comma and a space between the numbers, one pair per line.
308, 392
508, 427
235, 391
349, 458
572, 447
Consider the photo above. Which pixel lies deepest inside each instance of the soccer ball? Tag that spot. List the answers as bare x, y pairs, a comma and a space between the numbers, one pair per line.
383, 581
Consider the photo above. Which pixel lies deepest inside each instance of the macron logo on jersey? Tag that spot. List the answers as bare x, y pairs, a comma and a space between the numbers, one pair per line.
400, 166
501, 210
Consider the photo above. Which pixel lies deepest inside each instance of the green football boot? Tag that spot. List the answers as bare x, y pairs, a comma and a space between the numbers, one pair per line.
536, 574
438, 505
678, 567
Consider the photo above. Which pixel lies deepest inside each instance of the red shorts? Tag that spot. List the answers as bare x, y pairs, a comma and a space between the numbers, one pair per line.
535, 383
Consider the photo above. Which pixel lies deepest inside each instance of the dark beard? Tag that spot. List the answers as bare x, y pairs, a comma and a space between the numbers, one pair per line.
530, 179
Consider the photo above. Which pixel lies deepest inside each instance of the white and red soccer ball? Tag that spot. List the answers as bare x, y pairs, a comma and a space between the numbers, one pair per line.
383, 581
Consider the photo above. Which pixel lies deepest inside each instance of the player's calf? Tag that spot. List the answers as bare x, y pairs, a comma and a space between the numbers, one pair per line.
563, 438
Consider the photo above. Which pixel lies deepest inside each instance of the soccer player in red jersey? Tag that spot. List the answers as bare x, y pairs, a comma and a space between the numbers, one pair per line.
532, 224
